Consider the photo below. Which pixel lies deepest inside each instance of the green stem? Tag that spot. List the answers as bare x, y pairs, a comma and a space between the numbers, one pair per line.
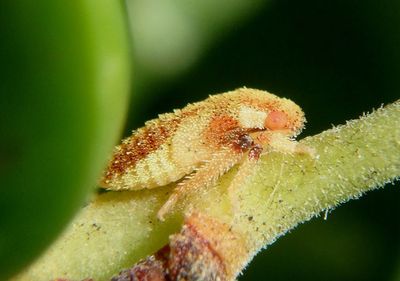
118, 228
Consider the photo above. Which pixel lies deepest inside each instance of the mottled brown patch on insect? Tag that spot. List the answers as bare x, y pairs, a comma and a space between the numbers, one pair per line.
222, 131
145, 141
139, 145
260, 104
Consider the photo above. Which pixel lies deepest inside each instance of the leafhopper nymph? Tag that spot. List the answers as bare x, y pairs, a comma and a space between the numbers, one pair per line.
202, 141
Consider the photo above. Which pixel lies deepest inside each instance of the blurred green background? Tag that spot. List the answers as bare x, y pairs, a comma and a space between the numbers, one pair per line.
64, 87
336, 59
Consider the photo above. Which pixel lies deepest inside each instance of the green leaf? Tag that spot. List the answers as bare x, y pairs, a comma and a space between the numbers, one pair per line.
64, 84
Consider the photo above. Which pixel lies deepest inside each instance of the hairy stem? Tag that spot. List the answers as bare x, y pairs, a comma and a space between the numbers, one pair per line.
119, 228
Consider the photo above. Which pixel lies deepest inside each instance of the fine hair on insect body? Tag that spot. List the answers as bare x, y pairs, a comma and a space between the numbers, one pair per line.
202, 141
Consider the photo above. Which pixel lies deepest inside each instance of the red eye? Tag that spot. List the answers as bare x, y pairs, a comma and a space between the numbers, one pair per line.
276, 120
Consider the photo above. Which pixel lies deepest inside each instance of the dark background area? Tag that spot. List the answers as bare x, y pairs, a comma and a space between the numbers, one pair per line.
336, 59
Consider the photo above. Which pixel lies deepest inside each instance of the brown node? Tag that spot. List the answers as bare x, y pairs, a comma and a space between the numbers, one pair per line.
193, 258
190, 256
150, 269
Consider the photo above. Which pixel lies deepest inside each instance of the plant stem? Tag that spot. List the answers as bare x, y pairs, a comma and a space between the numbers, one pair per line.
118, 228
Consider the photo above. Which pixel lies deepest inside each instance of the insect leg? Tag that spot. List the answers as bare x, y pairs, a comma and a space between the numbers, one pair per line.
249, 166
282, 143
205, 176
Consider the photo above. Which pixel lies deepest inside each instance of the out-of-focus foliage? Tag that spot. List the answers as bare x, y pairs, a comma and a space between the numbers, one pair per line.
170, 36
64, 80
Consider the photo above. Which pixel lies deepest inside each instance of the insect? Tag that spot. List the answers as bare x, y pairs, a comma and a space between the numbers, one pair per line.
202, 141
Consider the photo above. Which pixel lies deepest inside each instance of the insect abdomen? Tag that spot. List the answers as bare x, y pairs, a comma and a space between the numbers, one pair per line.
156, 169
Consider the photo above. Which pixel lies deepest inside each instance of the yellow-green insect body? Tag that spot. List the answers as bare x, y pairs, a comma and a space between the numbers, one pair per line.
203, 141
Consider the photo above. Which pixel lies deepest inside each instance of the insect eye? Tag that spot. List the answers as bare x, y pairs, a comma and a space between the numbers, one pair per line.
276, 120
